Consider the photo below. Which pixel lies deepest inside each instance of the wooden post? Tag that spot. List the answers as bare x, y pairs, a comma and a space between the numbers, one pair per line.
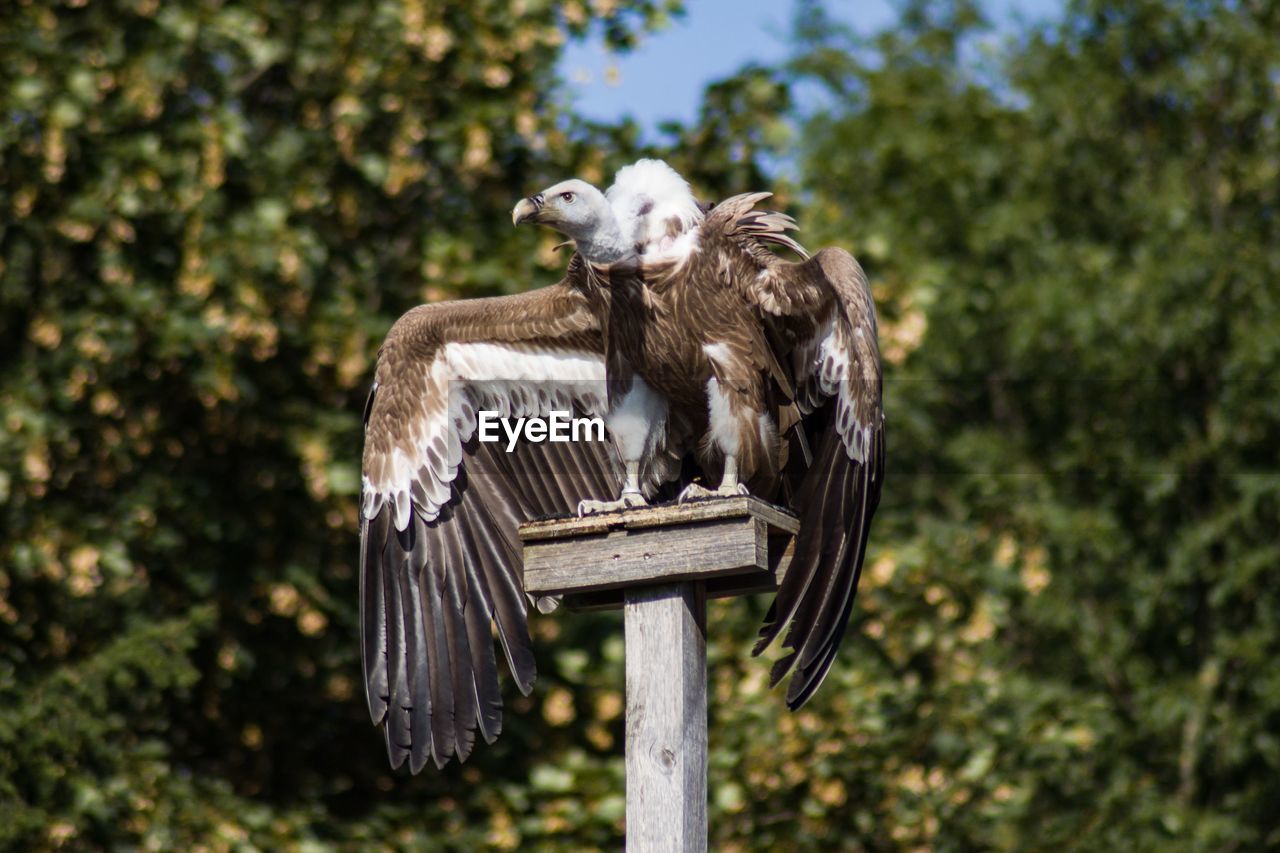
666, 628
660, 564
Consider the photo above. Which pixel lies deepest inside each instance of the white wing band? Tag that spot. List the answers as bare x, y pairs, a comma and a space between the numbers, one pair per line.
834, 363
513, 380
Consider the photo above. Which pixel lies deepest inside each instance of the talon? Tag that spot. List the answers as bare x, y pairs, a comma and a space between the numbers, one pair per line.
693, 491
627, 500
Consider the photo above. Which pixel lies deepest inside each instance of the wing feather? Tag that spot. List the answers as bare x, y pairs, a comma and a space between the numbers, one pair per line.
460, 655
373, 614
420, 705
823, 307
497, 555
485, 665
398, 699
440, 557
439, 652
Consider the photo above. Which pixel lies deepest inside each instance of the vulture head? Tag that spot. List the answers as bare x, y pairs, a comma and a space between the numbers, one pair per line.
580, 212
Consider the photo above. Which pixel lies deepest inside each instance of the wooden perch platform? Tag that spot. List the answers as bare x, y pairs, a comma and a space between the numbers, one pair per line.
725, 542
660, 563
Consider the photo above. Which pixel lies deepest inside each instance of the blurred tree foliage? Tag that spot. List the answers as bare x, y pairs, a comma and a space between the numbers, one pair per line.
211, 213
1067, 633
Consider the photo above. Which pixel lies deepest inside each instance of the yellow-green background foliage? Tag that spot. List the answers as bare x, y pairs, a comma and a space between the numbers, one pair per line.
210, 213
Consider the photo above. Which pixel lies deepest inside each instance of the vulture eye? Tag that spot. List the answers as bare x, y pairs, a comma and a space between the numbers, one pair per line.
567, 197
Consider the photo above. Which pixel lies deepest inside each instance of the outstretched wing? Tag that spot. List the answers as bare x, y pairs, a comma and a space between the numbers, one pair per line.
821, 320
440, 558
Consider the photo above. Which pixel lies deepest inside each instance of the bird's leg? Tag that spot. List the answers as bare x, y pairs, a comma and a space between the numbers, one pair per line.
729, 485
631, 495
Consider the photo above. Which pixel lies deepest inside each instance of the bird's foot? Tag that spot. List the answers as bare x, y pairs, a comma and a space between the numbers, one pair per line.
627, 500
695, 492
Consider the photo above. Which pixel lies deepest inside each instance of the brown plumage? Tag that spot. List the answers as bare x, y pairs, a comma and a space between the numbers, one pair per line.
813, 348
747, 365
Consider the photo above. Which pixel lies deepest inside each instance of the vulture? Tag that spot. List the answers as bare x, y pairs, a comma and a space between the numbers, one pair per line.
719, 368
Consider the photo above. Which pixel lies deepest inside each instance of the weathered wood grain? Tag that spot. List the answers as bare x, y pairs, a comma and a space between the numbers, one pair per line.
666, 751
706, 540
660, 515
629, 557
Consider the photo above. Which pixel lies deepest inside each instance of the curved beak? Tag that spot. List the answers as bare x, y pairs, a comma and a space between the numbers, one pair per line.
527, 210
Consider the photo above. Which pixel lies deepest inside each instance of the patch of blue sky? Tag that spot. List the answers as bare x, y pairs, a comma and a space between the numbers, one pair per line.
664, 77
